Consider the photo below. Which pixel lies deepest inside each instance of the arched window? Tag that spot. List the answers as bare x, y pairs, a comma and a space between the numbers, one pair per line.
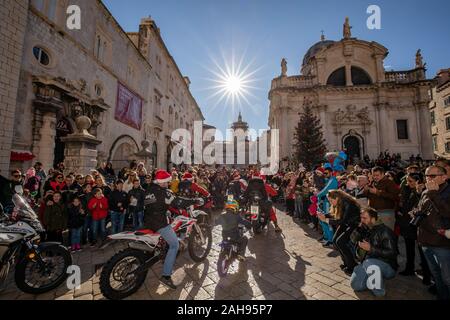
41, 56
337, 78
360, 77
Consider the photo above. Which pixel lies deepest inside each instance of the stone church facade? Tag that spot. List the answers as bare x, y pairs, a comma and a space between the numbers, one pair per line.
89, 95
362, 107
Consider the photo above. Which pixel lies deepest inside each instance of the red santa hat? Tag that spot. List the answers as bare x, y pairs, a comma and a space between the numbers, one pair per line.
162, 176
256, 175
188, 176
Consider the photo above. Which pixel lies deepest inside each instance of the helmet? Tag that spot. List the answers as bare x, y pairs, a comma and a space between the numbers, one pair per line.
232, 205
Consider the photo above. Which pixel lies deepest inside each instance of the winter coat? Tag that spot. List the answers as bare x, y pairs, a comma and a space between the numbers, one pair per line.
436, 205
101, 208
117, 197
75, 217
136, 198
55, 217
387, 196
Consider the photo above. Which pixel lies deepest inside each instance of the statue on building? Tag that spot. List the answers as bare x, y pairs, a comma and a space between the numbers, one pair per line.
347, 29
419, 60
283, 67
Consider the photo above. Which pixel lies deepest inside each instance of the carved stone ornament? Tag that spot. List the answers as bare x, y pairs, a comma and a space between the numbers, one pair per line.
352, 116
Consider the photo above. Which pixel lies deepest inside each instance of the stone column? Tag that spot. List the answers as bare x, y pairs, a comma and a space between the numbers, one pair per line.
348, 74
45, 147
81, 148
426, 138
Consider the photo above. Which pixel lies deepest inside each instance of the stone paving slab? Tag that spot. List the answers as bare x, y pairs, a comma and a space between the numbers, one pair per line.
288, 266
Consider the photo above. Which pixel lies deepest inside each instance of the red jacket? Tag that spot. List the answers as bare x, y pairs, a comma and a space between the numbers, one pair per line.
196, 188
101, 208
271, 192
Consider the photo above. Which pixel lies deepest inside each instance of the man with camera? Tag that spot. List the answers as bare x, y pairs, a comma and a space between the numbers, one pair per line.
376, 249
432, 215
383, 196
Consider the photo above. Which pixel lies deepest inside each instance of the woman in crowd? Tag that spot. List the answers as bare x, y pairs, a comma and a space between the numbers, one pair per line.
55, 217
344, 218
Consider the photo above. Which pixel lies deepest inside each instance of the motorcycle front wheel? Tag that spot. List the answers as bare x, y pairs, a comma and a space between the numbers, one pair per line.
37, 278
223, 264
198, 249
118, 279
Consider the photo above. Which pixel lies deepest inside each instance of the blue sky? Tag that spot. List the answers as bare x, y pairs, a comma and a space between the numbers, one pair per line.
262, 32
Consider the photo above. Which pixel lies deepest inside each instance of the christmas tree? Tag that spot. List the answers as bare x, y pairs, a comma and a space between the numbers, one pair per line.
309, 144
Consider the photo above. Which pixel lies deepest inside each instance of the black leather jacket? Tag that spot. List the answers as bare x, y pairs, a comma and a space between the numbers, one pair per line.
157, 202
383, 244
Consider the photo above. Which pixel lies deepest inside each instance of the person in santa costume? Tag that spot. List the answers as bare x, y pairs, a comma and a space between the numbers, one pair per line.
188, 187
158, 199
237, 186
257, 183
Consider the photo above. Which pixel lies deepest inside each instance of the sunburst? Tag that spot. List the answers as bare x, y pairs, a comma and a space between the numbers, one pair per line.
233, 82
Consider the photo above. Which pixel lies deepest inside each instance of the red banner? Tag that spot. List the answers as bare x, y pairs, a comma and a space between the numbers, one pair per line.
129, 107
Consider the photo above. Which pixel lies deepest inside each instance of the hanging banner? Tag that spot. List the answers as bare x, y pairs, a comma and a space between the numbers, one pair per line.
129, 107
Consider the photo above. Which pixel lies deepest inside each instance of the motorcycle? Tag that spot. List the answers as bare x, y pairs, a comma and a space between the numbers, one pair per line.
39, 267
252, 212
203, 216
228, 254
126, 271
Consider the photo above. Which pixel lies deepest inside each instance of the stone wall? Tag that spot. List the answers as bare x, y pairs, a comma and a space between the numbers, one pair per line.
13, 20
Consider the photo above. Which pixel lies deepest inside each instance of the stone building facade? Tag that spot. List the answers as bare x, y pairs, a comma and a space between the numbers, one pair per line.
90, 95
440, 114
362, 107
13, 17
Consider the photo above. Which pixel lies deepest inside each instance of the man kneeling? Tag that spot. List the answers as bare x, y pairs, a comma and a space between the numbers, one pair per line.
376, 248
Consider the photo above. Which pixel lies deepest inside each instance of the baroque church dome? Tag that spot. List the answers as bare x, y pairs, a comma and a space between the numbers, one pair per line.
315, 49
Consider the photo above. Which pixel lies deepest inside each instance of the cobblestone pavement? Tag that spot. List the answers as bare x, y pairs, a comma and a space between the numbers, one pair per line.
287, 266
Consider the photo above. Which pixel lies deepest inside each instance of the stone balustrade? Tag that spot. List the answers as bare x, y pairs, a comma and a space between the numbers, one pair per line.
405, 76
293, 82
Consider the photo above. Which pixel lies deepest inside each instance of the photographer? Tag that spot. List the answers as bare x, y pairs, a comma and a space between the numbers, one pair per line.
431, 215
376, 247
383, 196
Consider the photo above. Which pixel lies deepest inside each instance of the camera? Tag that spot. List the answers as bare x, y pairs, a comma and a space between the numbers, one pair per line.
418, 219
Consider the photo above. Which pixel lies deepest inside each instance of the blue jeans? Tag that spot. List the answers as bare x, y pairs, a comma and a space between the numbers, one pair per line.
439, 262
138, 220
75, 236
298, 213
95, 226
361, 274
87, 229
117, 221
171, 238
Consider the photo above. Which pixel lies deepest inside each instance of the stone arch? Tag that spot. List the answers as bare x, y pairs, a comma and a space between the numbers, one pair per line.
337, 78
360, 76
122, 151
355, 140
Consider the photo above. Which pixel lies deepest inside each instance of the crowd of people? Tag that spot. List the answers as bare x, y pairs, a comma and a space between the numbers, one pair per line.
360, 211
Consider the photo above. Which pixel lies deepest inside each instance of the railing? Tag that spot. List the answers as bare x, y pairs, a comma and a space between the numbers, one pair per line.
405, 76
294, 81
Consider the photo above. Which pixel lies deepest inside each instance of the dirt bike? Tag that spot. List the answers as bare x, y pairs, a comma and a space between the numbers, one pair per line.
126, 271
228, 254
204, 205
39, 267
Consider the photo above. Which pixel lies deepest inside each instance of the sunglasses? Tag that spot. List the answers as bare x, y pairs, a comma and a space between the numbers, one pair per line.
60, 178
433, 176
17, 176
